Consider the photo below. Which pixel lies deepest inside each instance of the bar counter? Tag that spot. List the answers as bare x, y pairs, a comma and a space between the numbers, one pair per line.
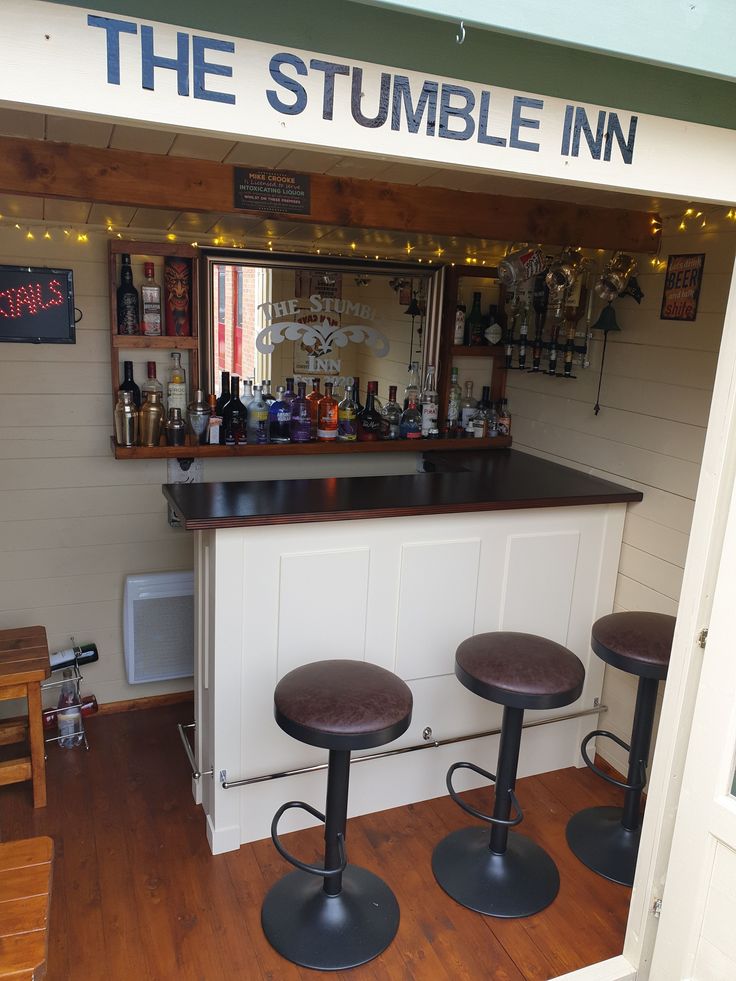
394, 570
459, 482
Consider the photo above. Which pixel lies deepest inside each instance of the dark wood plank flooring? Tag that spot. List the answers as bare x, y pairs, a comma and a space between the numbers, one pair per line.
137, 896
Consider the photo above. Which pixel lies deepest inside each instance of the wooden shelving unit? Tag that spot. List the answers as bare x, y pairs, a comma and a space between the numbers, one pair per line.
132, 342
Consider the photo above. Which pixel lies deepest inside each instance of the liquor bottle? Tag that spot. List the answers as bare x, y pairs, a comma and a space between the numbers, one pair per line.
128, 316
176, 428
453, 405
327, 416
558, 319
224, 396
347, 417
279, 418
126, 420
370, 422
128, 385
575, 306
233, 415
523, 334
412, 385
151, 384
410, 426
459, 335
521, 265
474, 324
289, 395
87, 706
430, 405
356, 398
391, 416
266, 392
257, 423
504, 418
151, 303
301, 422
247, 397
151, 420
494, 331
214, 423
69, 714
481, 421
69, 656
467, 407
222, 402
198, 417
313, 400
176, 395
540, 302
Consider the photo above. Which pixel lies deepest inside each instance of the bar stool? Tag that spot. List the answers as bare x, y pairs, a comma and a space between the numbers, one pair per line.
606, 839
24, 663
351, 915
508, 874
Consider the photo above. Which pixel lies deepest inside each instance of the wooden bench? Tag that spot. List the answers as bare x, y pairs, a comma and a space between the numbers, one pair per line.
24, 663
25, 892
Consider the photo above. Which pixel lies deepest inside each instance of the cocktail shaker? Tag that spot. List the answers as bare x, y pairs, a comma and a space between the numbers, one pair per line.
151, 420
176, 428
126, 419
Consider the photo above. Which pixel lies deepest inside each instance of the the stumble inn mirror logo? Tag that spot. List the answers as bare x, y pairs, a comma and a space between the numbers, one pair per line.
317, 327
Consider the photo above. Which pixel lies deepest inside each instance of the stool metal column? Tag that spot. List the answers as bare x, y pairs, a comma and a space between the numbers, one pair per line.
606, 839
505, 874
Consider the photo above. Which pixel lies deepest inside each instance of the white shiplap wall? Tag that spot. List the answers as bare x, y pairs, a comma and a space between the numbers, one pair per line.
655, 400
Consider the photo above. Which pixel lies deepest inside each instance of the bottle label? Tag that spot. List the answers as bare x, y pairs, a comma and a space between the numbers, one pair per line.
214, 429
413, 435
467, 415
326, 434
177, 393
429, 417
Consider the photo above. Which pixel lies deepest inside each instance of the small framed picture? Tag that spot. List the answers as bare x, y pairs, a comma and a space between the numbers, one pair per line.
405, 295
682, 287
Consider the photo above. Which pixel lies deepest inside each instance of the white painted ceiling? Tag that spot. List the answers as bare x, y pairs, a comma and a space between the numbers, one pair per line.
253, 231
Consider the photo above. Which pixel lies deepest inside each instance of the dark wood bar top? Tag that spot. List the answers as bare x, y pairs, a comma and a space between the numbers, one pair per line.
469, 481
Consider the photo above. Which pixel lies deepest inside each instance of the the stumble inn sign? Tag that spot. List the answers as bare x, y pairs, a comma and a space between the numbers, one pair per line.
153, 73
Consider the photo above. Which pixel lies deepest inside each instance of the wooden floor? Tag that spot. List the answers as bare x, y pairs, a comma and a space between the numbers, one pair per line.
137, 896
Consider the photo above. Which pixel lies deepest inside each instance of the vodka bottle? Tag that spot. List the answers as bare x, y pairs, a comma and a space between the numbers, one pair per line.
430, 405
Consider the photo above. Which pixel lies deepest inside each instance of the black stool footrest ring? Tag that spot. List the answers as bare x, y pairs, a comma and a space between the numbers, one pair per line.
607, 776
312, 869
510, 823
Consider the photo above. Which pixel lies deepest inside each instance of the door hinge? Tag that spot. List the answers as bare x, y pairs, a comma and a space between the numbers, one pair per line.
703, 637
657, 908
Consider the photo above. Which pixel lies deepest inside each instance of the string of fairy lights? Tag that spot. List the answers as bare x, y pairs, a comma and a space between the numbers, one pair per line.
692, 219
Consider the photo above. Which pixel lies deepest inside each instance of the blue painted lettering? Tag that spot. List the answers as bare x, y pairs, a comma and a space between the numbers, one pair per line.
300, 94
447, 112
356, 98
330, 68
566, 131
582, 125
626, 147
517, 121
113, 29
149, 60
427, 102
200, 45
483, 135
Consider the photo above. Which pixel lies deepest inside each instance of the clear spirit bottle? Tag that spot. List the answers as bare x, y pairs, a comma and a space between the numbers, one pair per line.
430, 405
391, 415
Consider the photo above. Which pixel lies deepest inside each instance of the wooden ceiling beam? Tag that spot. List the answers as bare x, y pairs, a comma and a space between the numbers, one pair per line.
149, 180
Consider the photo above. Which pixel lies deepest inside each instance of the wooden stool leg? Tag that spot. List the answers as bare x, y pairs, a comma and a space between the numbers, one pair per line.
35, 737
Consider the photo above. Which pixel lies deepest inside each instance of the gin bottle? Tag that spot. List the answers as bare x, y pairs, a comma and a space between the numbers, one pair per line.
412, 385
279, 418
257, 422
347, 417
313, 400
301, 423
391, 416
468, 406
453, 405
327, 416
410, 426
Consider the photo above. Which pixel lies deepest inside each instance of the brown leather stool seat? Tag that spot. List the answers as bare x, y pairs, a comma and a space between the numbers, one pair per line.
334, 916
342, 705
606, 839
508, 875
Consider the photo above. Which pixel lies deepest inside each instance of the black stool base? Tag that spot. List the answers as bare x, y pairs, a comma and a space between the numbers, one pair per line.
330, 933
597, 837
518, 883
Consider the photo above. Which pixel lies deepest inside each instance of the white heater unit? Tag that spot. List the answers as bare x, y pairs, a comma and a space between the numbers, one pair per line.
158, 626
